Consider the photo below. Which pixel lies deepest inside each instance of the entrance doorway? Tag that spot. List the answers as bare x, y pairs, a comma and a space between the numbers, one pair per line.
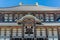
41, 39
16, 39
28, 38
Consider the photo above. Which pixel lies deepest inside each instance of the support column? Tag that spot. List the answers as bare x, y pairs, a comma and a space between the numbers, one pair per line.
34, 29
58, 32
0, 32
34, 32
22, 38
46, 34
55, 16
11, 34
35, 39
23, 32
44, 17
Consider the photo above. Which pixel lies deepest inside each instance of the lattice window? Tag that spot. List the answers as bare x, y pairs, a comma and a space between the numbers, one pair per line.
55, 32
43, 30
15, 17
58, 17
8, 32
50, 32
47, 17
14, 32
19, 32
51, 17
20, 16
38, 32
10, 17
41, 17
37, 16
2, 32
6, 17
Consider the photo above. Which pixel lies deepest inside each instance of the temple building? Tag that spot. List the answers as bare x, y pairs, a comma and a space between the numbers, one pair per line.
30, 22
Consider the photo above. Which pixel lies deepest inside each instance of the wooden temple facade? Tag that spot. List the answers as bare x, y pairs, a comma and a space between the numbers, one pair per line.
29, 23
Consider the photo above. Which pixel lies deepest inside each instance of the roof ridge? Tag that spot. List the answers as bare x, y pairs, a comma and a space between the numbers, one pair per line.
27, 5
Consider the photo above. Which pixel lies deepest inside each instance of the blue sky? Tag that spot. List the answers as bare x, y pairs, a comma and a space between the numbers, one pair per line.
9, 3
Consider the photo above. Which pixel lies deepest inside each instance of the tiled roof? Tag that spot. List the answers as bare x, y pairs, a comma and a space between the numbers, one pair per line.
29, 8
43, 24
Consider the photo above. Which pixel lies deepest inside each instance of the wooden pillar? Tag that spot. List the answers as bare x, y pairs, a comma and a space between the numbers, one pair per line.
2, 17
58, 32
52, 33
0, 31
55, 17
23, 32
11, 34
13, 17
16, 31
40, 31
46, 34
5, 33
34, 30
44, 17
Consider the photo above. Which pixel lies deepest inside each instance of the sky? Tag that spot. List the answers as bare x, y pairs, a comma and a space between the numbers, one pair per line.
10, 3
